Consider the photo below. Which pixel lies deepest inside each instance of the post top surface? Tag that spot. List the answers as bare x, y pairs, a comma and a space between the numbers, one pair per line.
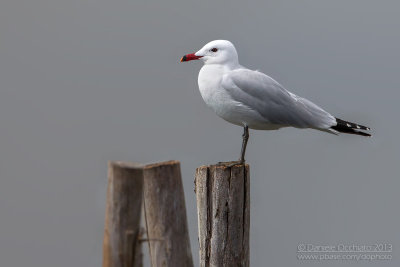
218, 166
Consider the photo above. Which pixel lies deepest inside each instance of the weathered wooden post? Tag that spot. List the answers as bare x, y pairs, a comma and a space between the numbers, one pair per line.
223, 207
165, 213
121, 246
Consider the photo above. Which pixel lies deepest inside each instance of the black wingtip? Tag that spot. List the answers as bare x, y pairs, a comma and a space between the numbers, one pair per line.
343, 126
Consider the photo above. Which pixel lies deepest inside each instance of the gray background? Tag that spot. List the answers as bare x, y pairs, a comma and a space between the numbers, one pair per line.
84, 81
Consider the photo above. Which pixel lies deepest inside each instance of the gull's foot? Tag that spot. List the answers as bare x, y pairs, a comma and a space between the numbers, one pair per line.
230, 164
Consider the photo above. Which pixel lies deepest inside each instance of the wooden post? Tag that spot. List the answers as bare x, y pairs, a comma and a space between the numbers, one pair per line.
121, 246
223, 207
165, 213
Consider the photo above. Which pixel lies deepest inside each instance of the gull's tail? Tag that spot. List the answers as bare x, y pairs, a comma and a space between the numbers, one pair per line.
350, 128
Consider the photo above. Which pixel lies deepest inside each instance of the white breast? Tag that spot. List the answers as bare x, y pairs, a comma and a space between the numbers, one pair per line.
209, 85
219, 100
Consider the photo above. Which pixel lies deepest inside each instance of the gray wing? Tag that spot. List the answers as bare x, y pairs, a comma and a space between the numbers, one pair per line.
274, 103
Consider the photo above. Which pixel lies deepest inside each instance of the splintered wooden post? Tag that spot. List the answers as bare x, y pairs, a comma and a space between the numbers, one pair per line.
121, 247
165, 213
223, 207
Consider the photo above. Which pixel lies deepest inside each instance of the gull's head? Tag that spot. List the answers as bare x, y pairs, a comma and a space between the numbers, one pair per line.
215, 52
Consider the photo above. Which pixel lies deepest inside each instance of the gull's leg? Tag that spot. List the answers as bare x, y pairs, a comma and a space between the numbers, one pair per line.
242, 160
244, 143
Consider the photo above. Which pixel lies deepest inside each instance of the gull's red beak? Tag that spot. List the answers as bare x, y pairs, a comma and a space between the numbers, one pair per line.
189, 57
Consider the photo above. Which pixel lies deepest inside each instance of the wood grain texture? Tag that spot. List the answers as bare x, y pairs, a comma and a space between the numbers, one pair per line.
223, 206
165, 213
121, 247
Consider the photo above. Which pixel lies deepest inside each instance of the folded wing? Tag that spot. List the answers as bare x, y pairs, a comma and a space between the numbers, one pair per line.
273, 102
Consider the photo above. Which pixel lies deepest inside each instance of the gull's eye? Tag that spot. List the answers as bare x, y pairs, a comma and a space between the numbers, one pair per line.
214, 50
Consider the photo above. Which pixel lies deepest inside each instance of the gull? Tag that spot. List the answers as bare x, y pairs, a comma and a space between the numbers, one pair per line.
252, 99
